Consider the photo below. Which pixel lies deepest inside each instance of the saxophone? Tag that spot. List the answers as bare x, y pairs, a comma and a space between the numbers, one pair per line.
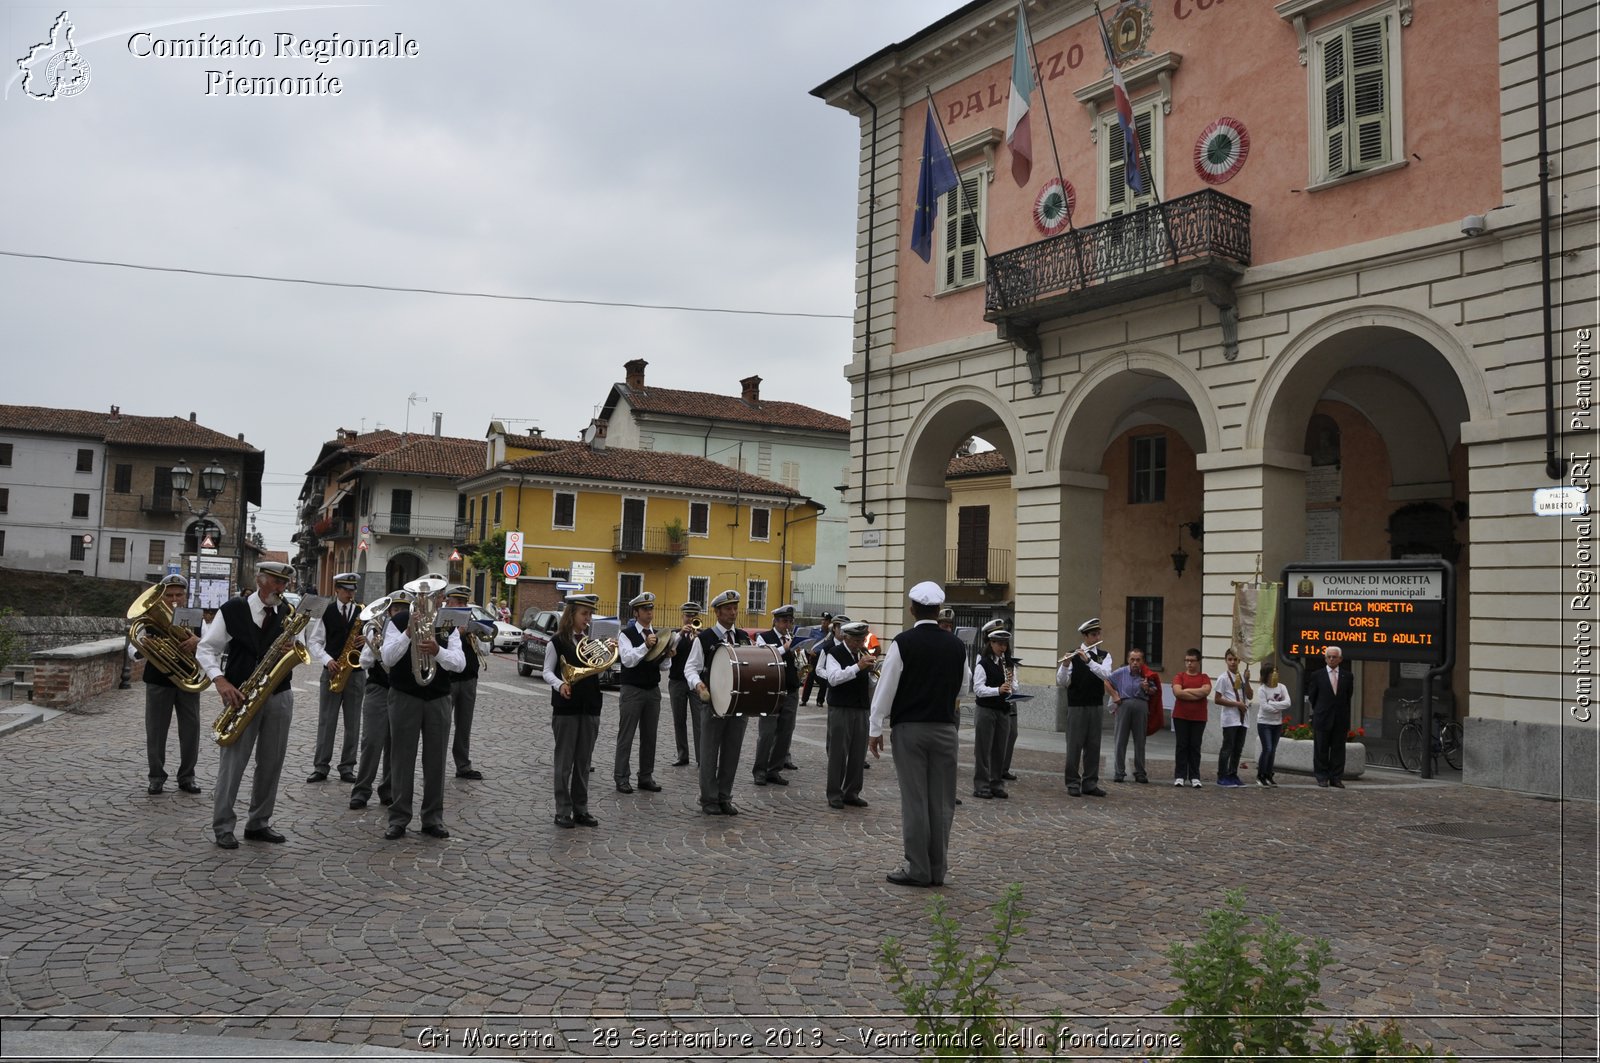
349, 658
274, 668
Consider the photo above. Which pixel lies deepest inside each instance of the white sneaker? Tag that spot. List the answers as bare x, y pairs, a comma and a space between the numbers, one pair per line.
1177, 782
1196, 783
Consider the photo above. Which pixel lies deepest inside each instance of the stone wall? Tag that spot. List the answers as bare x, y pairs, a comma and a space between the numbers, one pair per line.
72, 675
53, 632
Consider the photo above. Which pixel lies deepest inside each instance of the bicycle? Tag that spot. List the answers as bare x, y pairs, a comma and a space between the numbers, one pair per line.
1446, 738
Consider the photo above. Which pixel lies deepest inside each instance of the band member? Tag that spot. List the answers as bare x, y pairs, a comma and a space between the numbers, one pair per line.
991, 683
774, 733
847, 667
373, 766
917, 690
464, 688
163, 700
574, 712
678, 687
1084, 673
244, 629
325, 638
417, 708
721, 737
815, 650
640, 697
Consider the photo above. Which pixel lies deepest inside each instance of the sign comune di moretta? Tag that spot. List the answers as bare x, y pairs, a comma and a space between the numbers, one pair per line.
1374, 611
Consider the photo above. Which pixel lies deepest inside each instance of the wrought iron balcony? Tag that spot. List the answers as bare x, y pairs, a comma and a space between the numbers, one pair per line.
633, 539
159, 505
1192, 242
991, 567
412, 524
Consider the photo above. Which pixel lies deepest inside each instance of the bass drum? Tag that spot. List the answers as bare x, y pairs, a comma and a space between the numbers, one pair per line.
746, 680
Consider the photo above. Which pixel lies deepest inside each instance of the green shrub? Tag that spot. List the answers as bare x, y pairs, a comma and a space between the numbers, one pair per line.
10, 641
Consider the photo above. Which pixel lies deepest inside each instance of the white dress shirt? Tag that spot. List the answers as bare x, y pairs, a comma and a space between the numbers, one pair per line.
450, 656
980, 679
317, 635
1102, 668
214, 638
632, 655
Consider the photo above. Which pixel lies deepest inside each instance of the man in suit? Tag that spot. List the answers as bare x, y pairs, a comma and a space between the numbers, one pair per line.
1328, 693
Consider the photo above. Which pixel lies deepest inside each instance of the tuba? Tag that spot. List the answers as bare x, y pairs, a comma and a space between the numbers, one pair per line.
596, 655
372, 619
270, 673
152, 630
424, 618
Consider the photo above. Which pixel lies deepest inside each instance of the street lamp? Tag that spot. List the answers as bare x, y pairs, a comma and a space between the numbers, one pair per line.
213, 478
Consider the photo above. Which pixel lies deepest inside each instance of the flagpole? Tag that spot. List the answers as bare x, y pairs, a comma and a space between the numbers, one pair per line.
1043, 99
1138, 144
961, 187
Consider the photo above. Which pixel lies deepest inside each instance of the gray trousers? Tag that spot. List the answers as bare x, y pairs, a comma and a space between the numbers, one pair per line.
925, 764
330, 707
640, 711
1133, 714
463, 699
268, 738
160, 704
409, 717
990, 732
682, 716
1083, 746
373, 767
774, 735
1011, 738
721, 742
847, 751
574, 737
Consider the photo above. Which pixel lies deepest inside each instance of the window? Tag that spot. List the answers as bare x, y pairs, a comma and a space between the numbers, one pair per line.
700, 519
962, 213
161, 490
483, 516
972, 543
1355, 80
5, 453
755, 602
632, 532
472, 512
760, 523
119, 550
462, 510
158, 552
629, 585
75, 550
85, 460
1147, 469
498, 498
400, 511
566, 514
1144, 629
5, 499
80, 507
2, 542
562, 574
1117, 196
699, 590
791, 475
123, 480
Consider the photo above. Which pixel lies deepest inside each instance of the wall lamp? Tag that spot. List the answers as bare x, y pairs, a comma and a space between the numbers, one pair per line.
1180, 557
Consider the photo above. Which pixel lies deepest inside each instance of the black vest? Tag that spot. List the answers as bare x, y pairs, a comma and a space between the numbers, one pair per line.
403, 679
680, 657
930, 676
1083, 686
246, 642
335, 628
791, 674
854, 693
645, 673
994, 674
586, 698
377, 674
710, 643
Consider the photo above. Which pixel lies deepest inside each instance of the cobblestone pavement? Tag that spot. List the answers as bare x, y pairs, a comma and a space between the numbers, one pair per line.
118, 914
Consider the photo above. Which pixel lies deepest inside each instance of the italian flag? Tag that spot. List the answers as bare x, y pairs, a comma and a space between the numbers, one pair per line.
1019, 136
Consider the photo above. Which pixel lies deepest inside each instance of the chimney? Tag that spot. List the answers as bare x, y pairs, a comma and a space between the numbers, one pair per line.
438, 425
191, 417
635, 371
752, 388
595, 434
116, 411
536, 433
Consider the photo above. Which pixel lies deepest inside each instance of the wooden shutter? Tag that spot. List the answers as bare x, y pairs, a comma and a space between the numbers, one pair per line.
963, 214
1121, 198
1369, 94
1335, 113
972, 543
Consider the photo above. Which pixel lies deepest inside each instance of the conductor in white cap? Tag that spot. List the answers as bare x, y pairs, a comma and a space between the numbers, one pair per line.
1084, 673
916, 697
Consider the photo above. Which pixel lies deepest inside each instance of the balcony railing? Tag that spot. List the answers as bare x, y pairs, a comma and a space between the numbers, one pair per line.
413, 524
159, 505
1153, 249
633, 539
992, 567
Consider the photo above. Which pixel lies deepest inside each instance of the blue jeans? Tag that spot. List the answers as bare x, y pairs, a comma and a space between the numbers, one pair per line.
1269, 733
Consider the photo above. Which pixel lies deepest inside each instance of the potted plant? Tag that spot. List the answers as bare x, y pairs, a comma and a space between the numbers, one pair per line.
1295, 750
677, 538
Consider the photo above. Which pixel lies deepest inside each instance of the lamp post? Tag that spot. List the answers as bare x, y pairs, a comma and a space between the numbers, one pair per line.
213, 478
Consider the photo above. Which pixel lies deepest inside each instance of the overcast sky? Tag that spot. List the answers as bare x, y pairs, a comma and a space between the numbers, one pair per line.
664, 152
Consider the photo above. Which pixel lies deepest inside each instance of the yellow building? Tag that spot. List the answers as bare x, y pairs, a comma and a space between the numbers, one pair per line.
683, 527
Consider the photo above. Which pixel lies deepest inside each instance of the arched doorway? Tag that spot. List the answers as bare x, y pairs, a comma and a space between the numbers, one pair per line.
403, 567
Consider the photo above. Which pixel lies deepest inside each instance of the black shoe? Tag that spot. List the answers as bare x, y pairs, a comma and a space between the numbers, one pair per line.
317, 776
227, 841
711, 810
347, 776
1073, 791
1337, 784
358, 802
565, 821
728, 808
958, 801
583, 819
835, 802
790, 765
650, 786
866, 767
777, 780
622, 788
900, 878
393, 833
189, 787
1322, 782
435, 830
386, 800
1096, 792
264, 834
1008, 777
760, 780
470, 773
985, 794
1000, 793
1141, 779
153, 788
1119, 778
681, 762
856, 802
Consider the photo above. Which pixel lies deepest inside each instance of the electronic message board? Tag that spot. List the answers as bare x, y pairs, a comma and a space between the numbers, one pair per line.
1375, 611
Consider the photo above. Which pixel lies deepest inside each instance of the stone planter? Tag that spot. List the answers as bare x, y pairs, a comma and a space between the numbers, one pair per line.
1294, 755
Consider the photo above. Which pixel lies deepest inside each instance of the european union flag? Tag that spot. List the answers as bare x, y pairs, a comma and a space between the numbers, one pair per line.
937, 177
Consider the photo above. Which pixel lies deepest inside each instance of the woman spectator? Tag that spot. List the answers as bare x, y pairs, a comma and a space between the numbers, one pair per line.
1274, 701
1191, 689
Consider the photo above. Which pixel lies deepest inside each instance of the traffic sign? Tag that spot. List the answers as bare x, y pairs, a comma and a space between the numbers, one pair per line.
513, 546
569, 586
582, 572
513, 569
88, 540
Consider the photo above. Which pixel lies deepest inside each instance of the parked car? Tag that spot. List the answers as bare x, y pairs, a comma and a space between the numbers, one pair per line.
507, 637
542, 628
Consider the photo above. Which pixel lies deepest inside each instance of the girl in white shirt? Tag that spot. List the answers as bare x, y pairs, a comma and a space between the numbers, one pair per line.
1274, 702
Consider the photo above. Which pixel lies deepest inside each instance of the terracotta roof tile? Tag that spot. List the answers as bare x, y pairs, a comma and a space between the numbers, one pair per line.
121, 429
617, 464
986, 463
449, 456
702, 404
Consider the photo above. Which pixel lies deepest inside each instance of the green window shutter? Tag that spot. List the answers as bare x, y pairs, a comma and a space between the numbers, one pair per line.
963, 213
1369, 70
1335, 112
